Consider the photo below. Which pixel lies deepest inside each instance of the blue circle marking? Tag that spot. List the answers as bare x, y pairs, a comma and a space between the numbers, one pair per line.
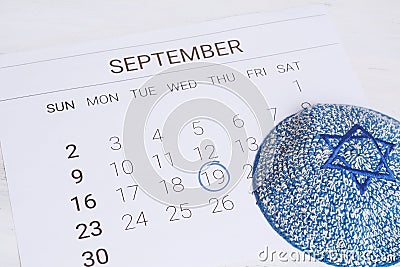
207, 165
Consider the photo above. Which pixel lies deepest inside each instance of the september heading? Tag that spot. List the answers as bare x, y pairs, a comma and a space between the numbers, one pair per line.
176, 56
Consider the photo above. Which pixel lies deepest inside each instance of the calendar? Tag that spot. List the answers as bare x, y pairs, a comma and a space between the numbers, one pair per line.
139, 151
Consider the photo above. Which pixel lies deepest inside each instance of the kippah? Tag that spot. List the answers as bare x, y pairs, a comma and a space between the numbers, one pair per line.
327, 181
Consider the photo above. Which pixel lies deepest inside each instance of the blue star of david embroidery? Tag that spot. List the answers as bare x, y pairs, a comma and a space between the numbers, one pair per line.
350, 142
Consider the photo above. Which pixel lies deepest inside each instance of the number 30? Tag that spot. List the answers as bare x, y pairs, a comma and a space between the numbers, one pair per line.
101, 257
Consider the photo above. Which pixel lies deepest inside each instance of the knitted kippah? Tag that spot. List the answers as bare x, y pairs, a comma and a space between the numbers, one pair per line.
327, 180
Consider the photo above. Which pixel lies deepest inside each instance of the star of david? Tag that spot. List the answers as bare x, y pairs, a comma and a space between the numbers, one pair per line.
378, 169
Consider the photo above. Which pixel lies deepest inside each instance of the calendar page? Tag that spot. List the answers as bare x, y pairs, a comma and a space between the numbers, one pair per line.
139, 151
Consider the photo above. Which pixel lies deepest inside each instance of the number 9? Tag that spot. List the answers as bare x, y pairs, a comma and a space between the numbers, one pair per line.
219, 175
77, 176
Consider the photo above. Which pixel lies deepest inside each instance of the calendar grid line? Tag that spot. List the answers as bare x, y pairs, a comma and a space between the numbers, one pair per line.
151, 75
161, 42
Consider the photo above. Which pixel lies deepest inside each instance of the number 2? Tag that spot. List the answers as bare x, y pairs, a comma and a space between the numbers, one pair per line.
249, 170
73, 150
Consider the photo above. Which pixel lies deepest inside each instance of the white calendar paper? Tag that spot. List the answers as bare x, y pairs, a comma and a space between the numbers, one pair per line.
138, 151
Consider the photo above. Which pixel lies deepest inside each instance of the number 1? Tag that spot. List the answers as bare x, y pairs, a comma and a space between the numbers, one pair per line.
298, 85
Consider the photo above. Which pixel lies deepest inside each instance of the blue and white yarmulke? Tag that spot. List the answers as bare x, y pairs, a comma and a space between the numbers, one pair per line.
327, 179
